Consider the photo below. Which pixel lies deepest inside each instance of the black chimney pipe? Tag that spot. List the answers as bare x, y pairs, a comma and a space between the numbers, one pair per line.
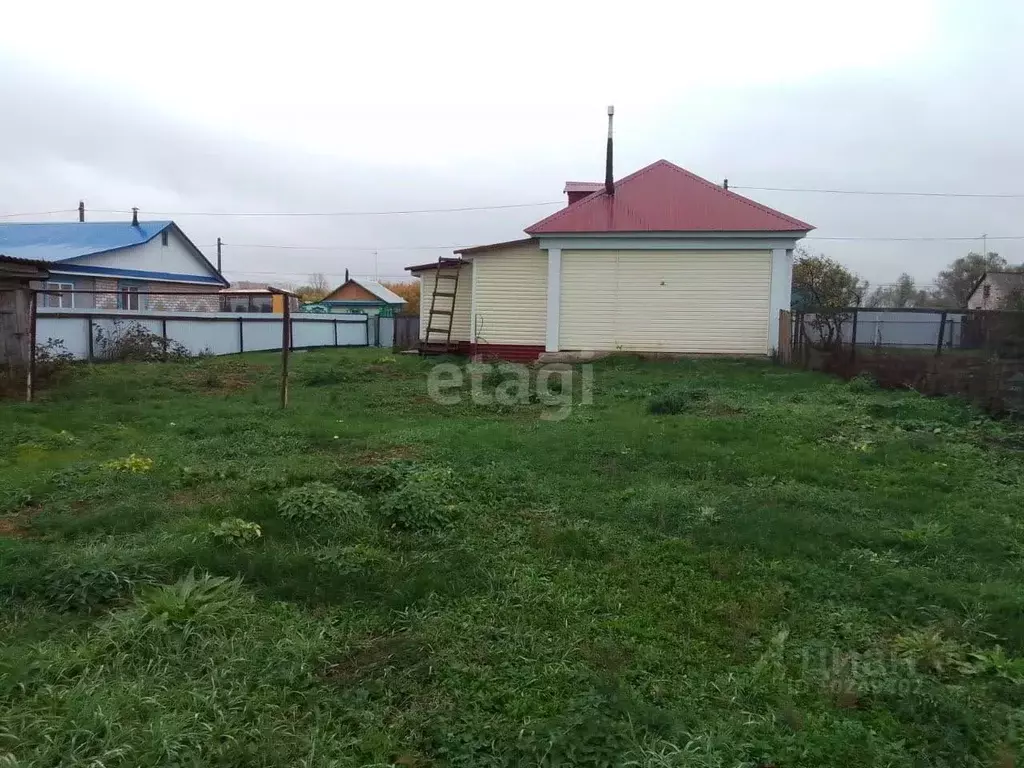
81, 210
135, 217
609, 181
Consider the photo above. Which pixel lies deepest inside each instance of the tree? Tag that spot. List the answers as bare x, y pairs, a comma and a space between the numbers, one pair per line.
821, 282
903, 293
317, 288
822, 286
955, 283
408, 291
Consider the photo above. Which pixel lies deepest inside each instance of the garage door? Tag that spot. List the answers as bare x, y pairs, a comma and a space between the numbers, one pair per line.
666, 301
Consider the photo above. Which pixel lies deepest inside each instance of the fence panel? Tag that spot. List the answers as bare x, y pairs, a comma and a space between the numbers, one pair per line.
216, 337
204, 332
978, 355
407, 331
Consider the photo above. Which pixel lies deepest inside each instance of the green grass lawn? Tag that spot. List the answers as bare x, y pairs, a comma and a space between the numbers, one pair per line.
786, 571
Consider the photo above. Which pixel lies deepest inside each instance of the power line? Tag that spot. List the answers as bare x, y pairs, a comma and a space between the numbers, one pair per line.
923, 239
883, 192
368, 248
336, 213
372, 248
39, 213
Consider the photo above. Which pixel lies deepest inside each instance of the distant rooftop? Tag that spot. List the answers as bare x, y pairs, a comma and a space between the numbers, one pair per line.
52, 242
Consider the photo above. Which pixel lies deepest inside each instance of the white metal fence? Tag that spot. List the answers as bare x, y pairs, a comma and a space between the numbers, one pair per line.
217, 333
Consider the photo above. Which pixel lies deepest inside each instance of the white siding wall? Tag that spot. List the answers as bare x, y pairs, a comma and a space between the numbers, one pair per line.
511, 295
463, 302
666, 301
175, 257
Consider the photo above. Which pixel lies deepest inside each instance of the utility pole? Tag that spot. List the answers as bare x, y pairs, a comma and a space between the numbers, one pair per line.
218, 256
376, 268
984, 245
81, 211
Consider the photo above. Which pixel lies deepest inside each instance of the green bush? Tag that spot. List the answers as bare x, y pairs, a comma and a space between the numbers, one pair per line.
320, 503
235, 531
862, 382
188, 599
677, 401
376, 478
85, 589
425, 502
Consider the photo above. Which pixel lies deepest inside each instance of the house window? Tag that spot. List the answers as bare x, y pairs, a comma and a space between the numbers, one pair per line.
164, 237
61, 300
128, 298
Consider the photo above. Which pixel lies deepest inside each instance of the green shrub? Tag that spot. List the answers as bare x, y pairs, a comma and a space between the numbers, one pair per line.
376, 478
235, 531
425, 502
677, 401
188, 599
862, 382
85, 589
320, 503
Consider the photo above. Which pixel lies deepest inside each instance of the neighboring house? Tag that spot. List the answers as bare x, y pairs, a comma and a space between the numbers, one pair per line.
665, 261
17, 277
363, 296
994, 288
122, 259
257, 300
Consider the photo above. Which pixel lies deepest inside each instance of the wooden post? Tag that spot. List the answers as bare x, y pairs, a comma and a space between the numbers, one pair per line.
853, 337
942, 333
92, 338
241, 335
163, 332
785, 350
286, 342
335, 331
30, 378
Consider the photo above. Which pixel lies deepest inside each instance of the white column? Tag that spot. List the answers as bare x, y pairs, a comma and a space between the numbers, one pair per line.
472, 300
554, 298
781, 291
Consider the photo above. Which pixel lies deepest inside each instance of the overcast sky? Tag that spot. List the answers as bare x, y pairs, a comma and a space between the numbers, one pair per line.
321, 107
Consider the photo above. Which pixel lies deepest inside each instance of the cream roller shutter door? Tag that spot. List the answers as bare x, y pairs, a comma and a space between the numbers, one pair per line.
666, 301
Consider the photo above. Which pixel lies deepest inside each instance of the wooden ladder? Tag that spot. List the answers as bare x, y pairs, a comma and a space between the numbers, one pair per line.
440, 318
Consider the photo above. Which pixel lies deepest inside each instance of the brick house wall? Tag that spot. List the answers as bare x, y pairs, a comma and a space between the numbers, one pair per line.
210, 302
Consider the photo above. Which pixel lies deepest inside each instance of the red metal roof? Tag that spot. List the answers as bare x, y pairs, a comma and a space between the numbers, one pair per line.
666, 198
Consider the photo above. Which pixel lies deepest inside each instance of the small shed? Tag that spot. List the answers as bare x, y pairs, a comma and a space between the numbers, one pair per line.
16, 278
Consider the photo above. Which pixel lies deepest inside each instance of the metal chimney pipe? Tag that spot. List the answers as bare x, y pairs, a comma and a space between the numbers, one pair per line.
135, 217
609, 181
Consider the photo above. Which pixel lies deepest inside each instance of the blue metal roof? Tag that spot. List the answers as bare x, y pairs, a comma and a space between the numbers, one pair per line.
68, 240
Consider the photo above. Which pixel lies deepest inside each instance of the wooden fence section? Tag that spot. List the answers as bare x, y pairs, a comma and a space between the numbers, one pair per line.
15, 329
785, 349
407, 331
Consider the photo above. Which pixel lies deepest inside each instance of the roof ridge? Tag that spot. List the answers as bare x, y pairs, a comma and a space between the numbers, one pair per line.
728, 192
789, 222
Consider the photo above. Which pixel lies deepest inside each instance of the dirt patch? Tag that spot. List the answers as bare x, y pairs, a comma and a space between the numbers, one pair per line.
383, 455
13, 528
725, 411
194, 497
382, 656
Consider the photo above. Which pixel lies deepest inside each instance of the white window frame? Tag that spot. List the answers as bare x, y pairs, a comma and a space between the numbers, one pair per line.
57, 300
129, 294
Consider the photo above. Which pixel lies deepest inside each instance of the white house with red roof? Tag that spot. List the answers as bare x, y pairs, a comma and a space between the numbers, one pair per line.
660, 261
